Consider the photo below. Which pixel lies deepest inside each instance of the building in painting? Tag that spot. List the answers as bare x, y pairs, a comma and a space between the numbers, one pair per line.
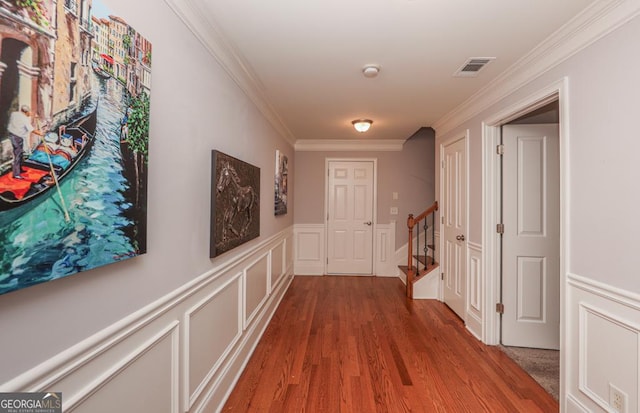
118, 35
71, 69
27, 35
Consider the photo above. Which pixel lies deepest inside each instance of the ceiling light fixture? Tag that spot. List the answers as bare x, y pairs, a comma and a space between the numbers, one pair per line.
362, 125
370, 70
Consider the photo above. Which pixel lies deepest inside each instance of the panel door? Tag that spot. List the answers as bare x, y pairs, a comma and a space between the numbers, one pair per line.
455, 215
350, 218
531, 240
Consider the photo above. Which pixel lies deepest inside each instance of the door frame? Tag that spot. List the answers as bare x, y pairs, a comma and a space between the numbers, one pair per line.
491, 204
442, 208
375, 208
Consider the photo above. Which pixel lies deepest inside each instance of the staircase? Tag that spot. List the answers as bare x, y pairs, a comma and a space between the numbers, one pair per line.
421, 257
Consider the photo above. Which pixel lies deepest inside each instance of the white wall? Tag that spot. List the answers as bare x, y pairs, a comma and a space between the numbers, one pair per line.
602, 173
195, 107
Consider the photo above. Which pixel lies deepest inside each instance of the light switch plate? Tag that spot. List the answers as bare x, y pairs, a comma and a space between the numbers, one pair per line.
394, 211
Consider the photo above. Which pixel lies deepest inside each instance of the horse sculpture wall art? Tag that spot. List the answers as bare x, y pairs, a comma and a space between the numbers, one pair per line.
235, 201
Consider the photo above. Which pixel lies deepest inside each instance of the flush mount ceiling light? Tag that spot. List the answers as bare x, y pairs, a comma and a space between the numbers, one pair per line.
370, 70
362, 125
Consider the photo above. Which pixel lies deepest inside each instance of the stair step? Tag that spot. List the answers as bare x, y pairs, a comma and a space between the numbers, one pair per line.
420, 273
422, 259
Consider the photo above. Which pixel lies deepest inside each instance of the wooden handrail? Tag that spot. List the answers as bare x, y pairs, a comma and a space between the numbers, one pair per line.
411, 222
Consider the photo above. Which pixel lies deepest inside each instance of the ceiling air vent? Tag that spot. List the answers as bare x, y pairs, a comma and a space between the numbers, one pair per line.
472, 66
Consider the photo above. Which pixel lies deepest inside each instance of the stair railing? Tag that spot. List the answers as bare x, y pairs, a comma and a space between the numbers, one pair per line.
414, 222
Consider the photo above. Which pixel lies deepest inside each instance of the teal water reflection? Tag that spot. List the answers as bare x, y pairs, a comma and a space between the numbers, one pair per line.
40, 245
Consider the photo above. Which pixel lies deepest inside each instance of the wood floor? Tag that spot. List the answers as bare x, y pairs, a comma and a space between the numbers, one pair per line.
356, 344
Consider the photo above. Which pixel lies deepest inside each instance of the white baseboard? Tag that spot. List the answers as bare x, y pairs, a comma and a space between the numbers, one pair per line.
183, 352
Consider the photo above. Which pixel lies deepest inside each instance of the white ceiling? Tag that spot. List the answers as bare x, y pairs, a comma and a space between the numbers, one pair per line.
307, 55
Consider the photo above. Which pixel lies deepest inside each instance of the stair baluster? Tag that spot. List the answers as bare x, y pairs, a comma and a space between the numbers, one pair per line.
414, 271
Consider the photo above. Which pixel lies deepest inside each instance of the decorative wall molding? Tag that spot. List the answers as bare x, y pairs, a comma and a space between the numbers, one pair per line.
208, 32
309, 249
214, 330
344, 145
475, 289
191, 343
603, 335
170, 332
310, 254
596, 21
385, 241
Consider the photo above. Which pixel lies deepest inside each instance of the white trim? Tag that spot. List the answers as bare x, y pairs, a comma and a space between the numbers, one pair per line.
309, 265
190, 398
491, 208
374, 219
248, 344
385, 246
344, 145
584, 346
93, 387
208, 32
94, 358
491, 197
249, 318
474, 246
596, 21
626, 298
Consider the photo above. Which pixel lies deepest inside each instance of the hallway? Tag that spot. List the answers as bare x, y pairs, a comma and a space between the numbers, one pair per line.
353, 344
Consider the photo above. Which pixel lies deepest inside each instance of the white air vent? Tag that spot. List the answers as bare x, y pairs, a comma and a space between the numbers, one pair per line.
472, 66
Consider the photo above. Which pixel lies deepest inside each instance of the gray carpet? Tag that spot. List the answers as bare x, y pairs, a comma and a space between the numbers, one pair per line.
542, 365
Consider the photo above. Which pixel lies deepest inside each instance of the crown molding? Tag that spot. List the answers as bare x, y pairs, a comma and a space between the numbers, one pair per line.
596, 21
342, 145
218, 45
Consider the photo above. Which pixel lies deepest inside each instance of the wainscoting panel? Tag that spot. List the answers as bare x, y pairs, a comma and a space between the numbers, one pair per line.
183, 352
278, 264
212, 327
475, 289
309, 252
604, 334
385, 241
256, 284
148, 376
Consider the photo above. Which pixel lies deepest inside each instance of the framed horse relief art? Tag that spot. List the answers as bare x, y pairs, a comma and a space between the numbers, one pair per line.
235, 203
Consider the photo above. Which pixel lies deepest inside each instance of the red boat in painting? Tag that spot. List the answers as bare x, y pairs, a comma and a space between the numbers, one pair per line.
59, 152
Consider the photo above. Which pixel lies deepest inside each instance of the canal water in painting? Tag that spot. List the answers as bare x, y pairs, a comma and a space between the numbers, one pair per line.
40, 245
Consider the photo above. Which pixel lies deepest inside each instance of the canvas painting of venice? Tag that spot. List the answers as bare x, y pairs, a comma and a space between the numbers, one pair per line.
74, 136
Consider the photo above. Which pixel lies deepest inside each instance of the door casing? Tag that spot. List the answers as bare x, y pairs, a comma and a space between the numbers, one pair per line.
491, 203
375, 205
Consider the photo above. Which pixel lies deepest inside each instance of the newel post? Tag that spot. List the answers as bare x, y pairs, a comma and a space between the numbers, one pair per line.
410, 224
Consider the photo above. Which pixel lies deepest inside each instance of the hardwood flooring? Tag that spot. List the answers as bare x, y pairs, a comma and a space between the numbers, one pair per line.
356, 344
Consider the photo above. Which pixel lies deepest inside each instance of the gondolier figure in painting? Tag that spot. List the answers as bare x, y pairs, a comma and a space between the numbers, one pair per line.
19, 129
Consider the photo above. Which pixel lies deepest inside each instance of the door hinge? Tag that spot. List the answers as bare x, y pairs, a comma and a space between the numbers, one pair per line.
443, 167
442, 276
500, 149
442, 220
327, 260
499, 308
500, 228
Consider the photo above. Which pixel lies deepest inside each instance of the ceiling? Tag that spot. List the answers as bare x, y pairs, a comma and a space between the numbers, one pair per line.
307, 56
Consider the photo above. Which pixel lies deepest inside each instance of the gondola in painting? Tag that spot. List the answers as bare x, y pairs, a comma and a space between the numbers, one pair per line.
74, 134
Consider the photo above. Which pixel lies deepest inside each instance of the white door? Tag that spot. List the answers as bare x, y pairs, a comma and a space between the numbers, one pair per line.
455, 215
350, 217
531, 240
